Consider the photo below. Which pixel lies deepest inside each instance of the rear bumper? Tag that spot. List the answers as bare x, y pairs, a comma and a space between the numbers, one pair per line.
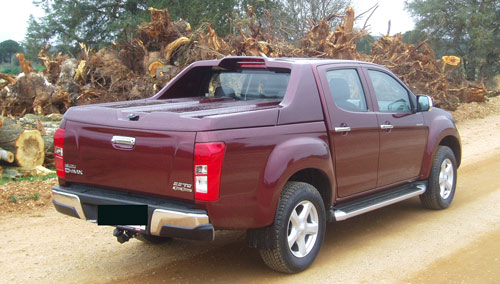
166, 218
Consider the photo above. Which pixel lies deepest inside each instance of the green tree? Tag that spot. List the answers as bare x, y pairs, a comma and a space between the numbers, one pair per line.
196, 12
36, 36
94, 22
414, 36
291, 19
364, 44
467, 28
7, 50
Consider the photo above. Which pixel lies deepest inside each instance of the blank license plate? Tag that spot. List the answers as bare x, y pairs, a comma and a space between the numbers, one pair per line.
124, 215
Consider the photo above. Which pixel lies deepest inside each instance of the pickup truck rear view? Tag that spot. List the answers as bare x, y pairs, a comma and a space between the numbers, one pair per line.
275, 146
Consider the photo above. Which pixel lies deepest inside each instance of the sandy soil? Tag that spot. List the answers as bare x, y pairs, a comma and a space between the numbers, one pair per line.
402, 243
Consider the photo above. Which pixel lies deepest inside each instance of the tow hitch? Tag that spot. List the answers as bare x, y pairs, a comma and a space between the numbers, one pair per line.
123, 236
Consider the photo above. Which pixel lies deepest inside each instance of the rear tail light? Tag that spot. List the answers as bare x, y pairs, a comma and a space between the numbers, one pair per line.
207, 170
59, 152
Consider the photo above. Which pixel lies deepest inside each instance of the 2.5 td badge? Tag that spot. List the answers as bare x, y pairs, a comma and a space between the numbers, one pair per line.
180, 186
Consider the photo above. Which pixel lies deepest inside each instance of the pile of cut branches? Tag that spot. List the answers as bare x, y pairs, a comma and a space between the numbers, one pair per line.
417, 67
138, 67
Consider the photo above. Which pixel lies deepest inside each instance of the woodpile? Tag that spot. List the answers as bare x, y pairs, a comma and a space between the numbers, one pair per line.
417, 67
26, 144
321, 41
137, 68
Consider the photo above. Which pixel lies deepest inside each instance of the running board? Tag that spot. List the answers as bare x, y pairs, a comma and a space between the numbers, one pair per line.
367, 204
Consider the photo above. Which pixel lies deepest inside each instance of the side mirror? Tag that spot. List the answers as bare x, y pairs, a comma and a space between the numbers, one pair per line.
424, 103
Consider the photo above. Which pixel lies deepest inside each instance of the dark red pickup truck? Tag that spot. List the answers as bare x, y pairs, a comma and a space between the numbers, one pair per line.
278, 147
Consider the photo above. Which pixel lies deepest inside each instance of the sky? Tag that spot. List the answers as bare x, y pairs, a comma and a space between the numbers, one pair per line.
14, 20
393, 10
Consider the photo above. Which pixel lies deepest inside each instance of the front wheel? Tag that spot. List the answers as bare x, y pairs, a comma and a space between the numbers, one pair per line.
298, 229
442, 181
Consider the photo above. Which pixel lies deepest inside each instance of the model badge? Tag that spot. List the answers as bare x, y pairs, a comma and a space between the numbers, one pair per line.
180, 186
71, 169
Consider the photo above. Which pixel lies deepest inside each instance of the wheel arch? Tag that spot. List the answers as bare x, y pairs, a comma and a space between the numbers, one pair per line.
303, 159
298, 159
259, 237
442, 132
319, 180
454, 144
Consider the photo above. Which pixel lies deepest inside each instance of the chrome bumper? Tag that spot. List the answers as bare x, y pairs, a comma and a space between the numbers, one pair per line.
70, 201
163, 217
163, 222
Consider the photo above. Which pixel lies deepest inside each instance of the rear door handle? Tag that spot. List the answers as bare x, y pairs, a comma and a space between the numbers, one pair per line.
342, 129
386, 126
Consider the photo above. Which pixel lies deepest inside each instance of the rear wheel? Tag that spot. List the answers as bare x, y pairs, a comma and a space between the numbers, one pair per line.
298, 229
442, 181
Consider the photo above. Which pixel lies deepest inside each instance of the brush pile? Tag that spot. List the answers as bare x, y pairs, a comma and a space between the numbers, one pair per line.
417, 67
139, 67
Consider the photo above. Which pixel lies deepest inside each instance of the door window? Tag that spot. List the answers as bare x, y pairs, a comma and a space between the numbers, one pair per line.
346, 89
391, 96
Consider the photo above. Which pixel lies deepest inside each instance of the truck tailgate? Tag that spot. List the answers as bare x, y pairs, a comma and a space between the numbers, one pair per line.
145, 167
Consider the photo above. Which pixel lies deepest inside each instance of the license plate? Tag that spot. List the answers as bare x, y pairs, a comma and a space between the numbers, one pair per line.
135, 216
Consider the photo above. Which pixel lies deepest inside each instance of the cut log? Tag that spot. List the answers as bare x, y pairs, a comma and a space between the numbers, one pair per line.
47, 125
30, 149
152, 68
6, 156
27, 146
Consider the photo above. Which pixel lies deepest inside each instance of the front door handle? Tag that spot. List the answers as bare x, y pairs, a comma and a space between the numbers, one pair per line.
386, 126
342, 129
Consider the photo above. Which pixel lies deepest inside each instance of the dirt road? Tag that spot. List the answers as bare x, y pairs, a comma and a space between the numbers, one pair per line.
402, 243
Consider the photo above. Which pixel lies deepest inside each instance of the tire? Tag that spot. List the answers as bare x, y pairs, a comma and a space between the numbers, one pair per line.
150, 239
296, 257
442, 181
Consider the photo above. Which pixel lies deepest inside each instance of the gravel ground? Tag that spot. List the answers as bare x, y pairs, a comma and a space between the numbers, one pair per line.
402, 243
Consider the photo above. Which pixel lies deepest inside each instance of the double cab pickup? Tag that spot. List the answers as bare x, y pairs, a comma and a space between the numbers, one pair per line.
275, 146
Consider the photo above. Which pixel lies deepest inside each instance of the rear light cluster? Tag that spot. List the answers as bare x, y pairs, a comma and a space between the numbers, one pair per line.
59, 152
207, 170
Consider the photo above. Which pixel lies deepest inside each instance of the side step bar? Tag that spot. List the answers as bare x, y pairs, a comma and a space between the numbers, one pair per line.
363, 205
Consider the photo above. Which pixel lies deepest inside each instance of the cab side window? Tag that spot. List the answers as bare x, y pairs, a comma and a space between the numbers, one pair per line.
391, 96
346, 89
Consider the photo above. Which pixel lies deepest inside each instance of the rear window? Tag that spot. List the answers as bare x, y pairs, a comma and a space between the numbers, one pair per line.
248, 84
242, 84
